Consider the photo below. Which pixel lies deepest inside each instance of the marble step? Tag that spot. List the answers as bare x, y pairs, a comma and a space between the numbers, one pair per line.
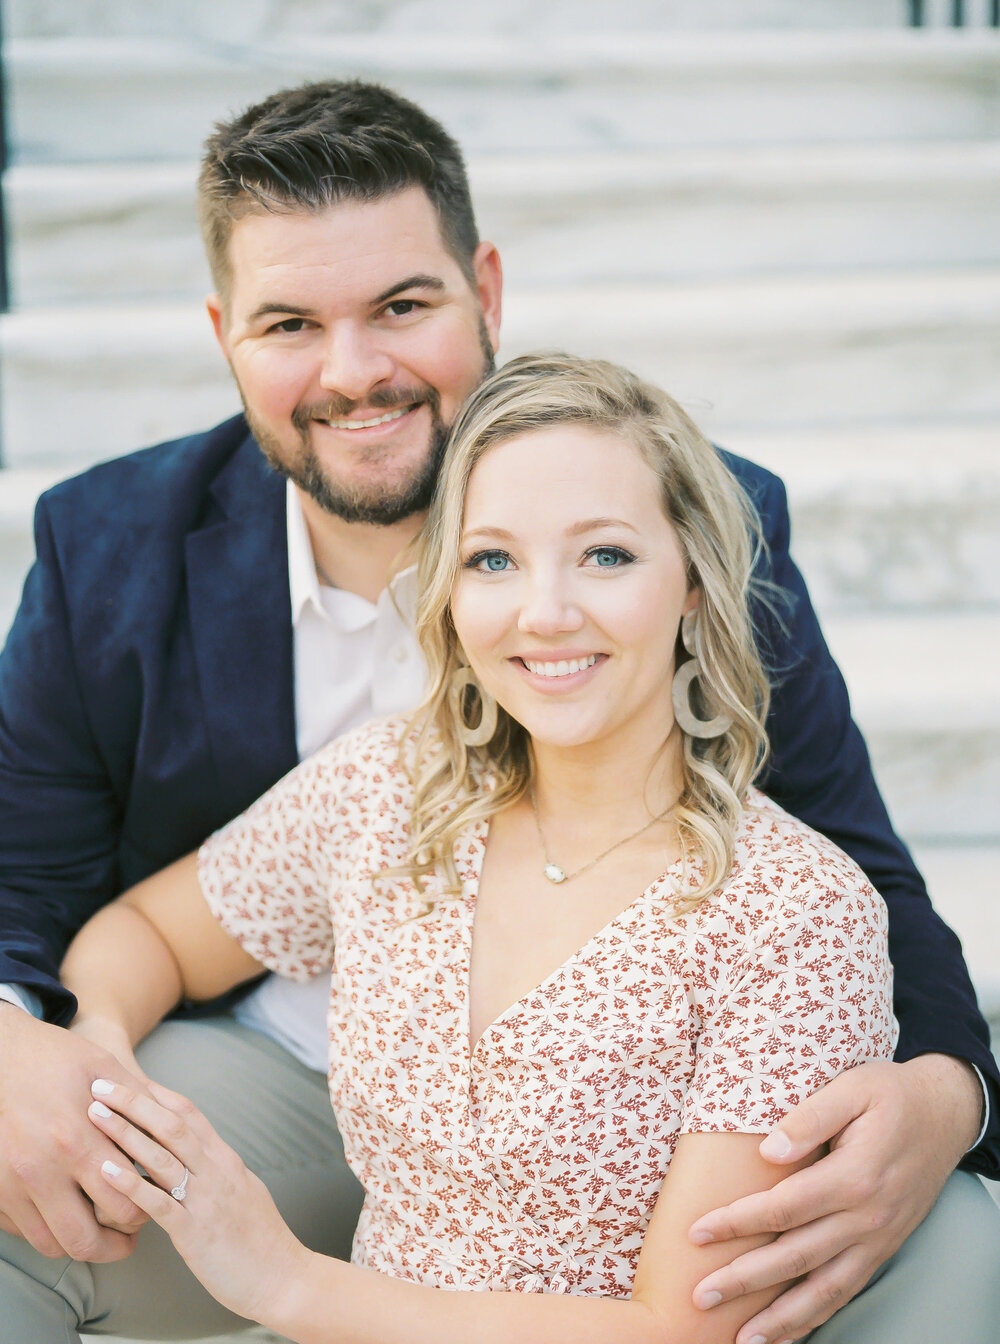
126, 232
904, 519
901, 520
926, 695
133, 98
84, 383
263, 20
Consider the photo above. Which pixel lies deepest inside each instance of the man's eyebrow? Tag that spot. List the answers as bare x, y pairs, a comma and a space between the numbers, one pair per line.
419, 281
287, 309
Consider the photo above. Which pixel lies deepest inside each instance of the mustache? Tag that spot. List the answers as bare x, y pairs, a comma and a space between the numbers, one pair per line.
379, 399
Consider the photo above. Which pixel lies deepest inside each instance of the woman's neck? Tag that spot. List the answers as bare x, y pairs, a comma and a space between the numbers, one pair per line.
607, 784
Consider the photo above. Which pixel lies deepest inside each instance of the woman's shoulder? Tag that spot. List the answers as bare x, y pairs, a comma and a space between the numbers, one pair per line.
792, 897
782, 861
371, 749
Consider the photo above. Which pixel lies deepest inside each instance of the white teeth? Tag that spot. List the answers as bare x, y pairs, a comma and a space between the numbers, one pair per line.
367, 424
564, 668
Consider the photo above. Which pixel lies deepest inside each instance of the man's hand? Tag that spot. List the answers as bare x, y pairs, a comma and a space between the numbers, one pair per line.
50, 1153
895, 1132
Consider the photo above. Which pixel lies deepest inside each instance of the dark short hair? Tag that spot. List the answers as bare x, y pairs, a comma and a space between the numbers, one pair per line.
316, 145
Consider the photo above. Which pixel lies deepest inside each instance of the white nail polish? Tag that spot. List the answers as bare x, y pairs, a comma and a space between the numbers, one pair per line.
100, 1087
111, 1169
758, 1339
99, 1108
709, 1300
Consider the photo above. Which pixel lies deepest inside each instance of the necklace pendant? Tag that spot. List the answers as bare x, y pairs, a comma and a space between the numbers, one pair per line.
554, 873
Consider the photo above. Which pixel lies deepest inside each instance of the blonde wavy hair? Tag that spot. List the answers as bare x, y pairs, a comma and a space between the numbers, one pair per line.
719, 534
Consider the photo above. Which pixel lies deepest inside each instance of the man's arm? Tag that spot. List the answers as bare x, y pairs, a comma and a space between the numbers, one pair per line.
820, 771
895, 1131
59, 823
59, 818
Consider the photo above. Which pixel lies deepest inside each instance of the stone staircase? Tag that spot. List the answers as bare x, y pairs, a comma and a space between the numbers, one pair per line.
786, 212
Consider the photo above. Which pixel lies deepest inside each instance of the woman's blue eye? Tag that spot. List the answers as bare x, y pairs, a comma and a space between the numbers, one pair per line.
493, 562
609, 557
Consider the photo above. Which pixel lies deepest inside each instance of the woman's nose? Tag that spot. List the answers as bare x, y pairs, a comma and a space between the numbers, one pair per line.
550, 608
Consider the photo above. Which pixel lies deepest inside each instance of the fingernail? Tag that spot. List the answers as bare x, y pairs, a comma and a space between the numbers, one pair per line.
100, 1087
701, 1237
99, 1108
110, 1169
775, 1145
707, 1300
758, 1339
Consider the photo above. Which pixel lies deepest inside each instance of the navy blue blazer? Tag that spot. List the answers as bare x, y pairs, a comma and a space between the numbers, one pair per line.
146, 697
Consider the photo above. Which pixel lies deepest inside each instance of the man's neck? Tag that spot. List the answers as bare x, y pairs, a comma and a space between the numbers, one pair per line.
357, 557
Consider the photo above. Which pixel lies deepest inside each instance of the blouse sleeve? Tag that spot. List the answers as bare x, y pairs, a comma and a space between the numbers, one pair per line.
810, 996
267, 875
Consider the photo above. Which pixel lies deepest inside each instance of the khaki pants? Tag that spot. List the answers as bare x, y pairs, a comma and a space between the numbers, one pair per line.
944, 1284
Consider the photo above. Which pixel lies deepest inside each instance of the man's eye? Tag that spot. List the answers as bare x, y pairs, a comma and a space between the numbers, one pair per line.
289, 324
610, 557
489, 562
402, 307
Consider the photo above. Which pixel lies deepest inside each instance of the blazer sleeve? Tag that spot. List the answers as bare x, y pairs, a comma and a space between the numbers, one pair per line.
819, 770
59, 817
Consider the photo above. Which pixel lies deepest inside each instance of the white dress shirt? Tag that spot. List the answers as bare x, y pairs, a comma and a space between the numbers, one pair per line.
354, 660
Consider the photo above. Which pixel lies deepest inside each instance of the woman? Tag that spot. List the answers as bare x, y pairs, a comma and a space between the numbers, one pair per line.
578, 963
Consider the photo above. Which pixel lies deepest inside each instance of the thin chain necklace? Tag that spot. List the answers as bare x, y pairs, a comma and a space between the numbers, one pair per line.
552, 870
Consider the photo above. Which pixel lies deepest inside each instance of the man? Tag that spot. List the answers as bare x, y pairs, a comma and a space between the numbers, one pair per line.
192, 626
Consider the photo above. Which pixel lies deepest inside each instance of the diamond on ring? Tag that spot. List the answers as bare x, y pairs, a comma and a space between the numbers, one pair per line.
179, 1191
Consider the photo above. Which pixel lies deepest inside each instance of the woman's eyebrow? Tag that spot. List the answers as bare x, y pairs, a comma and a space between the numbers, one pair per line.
498, 532
592, 524
585, 525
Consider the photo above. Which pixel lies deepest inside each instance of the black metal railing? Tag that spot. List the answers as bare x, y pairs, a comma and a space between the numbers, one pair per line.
958, 15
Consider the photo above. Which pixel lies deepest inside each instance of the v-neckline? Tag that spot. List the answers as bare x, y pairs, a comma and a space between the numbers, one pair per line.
470, 866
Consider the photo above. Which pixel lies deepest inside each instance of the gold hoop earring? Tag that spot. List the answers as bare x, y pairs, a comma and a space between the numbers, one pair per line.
483, 732
681, 688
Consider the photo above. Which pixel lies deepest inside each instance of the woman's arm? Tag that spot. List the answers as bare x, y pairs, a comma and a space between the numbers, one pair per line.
232, 1236
138, 957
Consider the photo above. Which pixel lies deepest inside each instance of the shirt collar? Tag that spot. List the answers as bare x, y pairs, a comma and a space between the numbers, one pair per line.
303, 581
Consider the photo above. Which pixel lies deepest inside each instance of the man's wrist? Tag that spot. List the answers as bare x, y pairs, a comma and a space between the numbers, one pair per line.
961, 1083
23, 998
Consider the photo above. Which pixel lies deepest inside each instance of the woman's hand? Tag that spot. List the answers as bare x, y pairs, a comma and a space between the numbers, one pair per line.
226, 1226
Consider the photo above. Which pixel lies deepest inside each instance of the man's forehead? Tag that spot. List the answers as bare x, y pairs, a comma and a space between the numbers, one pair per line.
378, 241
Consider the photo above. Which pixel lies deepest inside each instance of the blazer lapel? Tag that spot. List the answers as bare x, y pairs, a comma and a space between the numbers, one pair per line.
237, 574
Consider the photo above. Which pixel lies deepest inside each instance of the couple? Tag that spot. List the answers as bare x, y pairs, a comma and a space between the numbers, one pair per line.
192, 628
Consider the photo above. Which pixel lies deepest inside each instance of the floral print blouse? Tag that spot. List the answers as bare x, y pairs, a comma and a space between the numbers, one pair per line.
534, 1161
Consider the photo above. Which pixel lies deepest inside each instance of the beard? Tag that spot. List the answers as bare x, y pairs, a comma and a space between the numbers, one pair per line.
382, 503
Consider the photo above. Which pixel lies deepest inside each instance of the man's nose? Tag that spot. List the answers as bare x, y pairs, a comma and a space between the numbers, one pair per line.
354, 361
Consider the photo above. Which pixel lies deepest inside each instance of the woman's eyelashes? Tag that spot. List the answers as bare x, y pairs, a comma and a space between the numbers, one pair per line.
488, 562
601, 557
610, 557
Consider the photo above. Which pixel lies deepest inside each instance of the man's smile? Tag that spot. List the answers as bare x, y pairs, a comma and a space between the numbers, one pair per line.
369, 424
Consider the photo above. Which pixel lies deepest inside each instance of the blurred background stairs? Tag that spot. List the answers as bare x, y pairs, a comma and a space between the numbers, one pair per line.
787, 213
